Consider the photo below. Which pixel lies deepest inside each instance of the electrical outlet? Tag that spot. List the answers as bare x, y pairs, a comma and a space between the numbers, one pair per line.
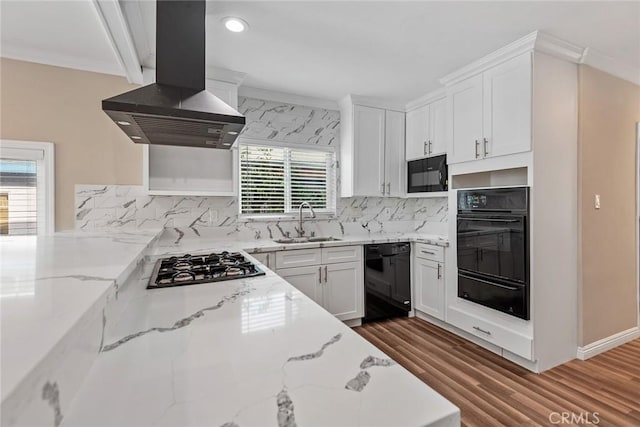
597, 201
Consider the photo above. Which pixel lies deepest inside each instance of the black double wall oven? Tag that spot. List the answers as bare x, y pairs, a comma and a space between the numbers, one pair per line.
493, 248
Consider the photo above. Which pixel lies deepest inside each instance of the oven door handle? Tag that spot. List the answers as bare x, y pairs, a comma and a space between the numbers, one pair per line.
510, 288
466, 218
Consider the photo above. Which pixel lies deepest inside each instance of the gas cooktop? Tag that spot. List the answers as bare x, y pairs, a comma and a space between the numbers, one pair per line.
195, 269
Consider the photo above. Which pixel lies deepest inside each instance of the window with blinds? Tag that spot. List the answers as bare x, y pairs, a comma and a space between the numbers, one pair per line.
275, 180
18, 196
26, 187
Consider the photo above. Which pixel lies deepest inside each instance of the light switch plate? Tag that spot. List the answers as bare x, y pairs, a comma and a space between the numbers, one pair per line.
597, 201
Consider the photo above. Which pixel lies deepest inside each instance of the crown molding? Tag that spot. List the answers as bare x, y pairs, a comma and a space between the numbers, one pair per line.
536, 40
605, 63
225, 75
287, 98
117, 30
426, 99
369, 101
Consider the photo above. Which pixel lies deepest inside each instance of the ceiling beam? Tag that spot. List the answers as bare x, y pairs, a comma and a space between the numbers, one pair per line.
119, 35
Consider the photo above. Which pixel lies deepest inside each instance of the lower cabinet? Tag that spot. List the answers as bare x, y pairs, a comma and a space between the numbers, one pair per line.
338, 287
266, 258
428, 281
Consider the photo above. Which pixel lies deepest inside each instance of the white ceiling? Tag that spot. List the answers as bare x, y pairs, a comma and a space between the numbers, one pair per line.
63, 33
388, 49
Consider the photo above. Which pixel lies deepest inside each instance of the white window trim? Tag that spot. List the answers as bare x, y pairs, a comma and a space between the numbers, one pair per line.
244, 218
46, 222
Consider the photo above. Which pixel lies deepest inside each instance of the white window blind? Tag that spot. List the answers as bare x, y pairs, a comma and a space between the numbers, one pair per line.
275, 180
18, 196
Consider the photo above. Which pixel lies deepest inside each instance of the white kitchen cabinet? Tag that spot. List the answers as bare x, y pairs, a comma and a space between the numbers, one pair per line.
394, 154
193, 171
307, 280
344, 290
418, 132
464, 102
438, 127
507, 107
333, 277
491, 112
266, 258
429, 287
428, 279
369, 138
426, 133
371, 150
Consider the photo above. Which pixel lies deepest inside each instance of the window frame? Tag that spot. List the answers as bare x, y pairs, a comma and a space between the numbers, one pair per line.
288, 216
45, 178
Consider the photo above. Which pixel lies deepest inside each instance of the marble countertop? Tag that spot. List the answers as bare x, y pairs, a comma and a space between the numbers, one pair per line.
247, 352
47, 285
244, 352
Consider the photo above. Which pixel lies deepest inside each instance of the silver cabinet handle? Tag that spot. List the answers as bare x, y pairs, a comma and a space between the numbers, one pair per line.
326, 274
424, 148
320, 275
382, 190
267, 260
428, 252
388, 188
481, 330
439, 273
485, 147
430, 148
477, 143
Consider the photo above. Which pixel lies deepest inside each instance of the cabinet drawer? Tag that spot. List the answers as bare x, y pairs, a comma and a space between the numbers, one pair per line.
341, 254
431, 252
298, 258
502, 337
265, 258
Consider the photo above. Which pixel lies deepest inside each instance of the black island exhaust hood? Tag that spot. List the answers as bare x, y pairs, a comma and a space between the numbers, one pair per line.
177, 109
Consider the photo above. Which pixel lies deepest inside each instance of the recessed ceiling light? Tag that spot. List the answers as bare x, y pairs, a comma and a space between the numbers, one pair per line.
123, 123
235, 25
136, 137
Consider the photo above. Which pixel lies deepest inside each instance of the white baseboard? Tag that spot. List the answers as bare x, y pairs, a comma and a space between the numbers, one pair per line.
608, 343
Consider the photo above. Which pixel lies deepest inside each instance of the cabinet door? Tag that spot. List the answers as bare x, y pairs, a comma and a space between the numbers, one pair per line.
418, 132
267, 258
507, 107
429, 287
438, 127
394, 154
369, 135
305, 279
344, 290
464, 102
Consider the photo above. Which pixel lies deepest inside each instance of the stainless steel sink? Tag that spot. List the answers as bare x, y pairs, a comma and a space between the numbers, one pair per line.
292, 240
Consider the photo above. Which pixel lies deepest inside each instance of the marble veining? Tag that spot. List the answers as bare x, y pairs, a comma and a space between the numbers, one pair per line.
318, 353
51, 394
370, 361
286, 416
186, 321
358, 382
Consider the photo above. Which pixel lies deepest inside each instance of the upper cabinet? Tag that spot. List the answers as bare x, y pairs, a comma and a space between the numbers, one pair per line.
192, 171
426, 130
371, 150
491, 112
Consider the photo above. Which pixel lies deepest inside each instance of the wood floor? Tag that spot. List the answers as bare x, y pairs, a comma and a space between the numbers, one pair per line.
491, 391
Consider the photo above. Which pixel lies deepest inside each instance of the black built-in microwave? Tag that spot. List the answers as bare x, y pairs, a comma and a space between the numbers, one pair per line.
428, 175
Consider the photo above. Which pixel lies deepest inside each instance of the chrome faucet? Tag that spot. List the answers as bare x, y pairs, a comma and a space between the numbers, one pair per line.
313, 215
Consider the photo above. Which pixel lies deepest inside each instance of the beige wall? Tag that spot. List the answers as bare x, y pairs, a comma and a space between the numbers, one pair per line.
608, 111
61, 105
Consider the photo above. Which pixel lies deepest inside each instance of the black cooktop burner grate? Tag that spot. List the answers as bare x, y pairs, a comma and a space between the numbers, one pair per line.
194, 269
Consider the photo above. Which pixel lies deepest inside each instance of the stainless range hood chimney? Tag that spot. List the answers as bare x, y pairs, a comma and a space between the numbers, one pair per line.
177, 109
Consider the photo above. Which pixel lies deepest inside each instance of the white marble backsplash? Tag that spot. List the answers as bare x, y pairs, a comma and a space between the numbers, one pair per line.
277, 121
128, 207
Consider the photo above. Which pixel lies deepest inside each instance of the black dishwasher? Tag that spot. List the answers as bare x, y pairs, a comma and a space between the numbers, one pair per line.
387, 278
